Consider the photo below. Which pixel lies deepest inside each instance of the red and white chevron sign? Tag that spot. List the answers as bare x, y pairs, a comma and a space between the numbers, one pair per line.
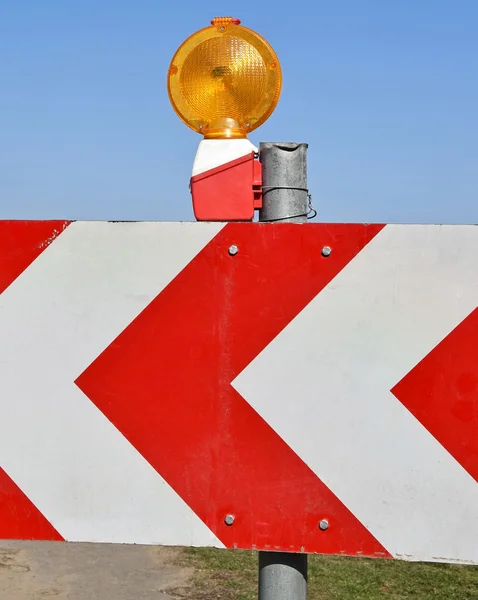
155, 388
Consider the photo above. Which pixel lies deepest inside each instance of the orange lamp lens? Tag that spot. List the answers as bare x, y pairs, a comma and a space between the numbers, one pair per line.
225, 80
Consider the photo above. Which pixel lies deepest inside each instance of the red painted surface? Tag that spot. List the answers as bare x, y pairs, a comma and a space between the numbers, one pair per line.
442, 393
226, 193
21, 242
165, 383
19, 518
257, 184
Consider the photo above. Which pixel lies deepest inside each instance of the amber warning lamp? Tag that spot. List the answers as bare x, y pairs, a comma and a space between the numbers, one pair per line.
223, 82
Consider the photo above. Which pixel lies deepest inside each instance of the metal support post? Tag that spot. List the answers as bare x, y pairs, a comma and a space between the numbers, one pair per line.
283, 575
284, 182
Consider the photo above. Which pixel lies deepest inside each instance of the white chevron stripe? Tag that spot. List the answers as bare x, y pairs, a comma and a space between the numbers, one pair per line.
55, 319
324, 385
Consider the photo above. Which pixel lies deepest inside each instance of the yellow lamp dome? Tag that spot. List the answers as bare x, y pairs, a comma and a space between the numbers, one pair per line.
225, 80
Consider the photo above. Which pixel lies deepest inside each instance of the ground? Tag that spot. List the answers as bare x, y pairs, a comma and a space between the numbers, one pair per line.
45, 570
49, 570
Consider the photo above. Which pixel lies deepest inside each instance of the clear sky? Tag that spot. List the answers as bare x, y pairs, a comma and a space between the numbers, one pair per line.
384, 91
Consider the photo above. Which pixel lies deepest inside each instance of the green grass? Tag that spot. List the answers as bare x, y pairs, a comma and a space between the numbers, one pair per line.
232, 575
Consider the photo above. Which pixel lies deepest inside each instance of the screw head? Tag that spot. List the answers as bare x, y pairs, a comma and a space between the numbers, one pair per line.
233, 250
326, 251
229, 520
323, 525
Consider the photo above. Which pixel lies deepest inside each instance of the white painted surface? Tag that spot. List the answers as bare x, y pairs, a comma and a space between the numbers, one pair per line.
214, 153
66, 308
324, 385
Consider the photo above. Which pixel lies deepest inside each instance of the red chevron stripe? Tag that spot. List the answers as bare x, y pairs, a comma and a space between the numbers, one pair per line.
21, 242
442, 393
19, 518
165, 383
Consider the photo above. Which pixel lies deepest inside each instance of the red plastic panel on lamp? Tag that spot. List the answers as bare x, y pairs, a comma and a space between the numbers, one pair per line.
226, 192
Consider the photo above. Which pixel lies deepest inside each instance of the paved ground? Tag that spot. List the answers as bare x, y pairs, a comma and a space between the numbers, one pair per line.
44, 570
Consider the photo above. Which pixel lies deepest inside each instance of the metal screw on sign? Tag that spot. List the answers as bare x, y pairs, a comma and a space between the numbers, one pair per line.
323, 525
326, 251
233, 250
229, 520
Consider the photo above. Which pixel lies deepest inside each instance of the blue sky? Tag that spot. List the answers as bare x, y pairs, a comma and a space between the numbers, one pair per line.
384, 91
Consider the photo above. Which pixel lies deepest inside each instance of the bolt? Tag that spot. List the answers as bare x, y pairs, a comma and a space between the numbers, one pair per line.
326, 251
323, 525
233, 250
229, 520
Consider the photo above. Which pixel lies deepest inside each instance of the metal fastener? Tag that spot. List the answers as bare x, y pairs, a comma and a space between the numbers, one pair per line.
233, 250
323, 525
229, 520
326, 251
